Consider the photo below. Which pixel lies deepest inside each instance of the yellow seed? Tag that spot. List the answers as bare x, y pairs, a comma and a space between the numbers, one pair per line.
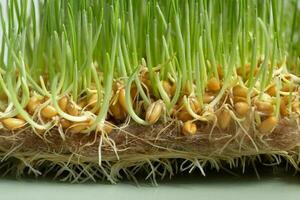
33, 103
122, 100
268, 125
153, 112
213, 85
264, 107
48, 112
189, 128
13, 123
242, 108
239, 91
79, 127
63, 103
72, 109
65, 123
224, 119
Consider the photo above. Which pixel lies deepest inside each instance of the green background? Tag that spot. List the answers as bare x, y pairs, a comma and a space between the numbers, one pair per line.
279, 185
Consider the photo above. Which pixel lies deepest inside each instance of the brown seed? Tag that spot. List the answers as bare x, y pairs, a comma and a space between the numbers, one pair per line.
117, 111
122, 100
242, 108
62, 103
48, 112
13, 123
272, 91
213, 85
189, 128
224, 119
33, 103
72, 109
264, 107
154, 111
268, 125
239, 91
65, 123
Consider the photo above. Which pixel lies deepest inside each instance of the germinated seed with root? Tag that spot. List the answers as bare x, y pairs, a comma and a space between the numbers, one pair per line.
72, 109
65, 123
154, 111
13, 123
264, 107
122, 100
33, 103
268, 125
224, 119
189, 128
213, 85
48, 112
242, 108
117, 111
239, 91
62, 103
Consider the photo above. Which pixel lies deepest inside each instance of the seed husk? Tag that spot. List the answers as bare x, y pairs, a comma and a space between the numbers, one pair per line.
189, 128
48, 112
264, 107
239, 91
242, 108
224, 119
268, 125
154, 111
213, 85
62, 103
13, 123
